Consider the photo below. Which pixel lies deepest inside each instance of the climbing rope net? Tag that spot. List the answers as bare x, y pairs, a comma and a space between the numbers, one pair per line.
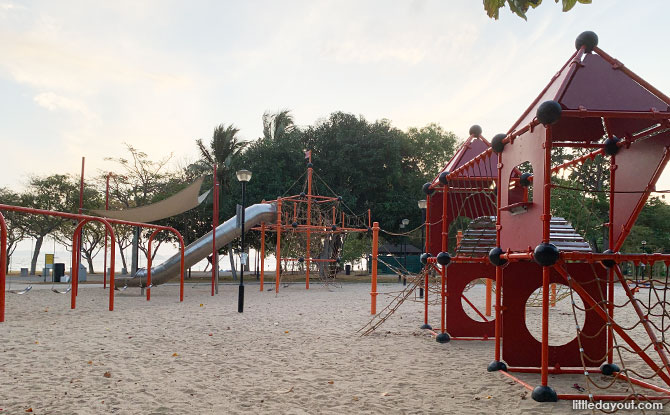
313, 227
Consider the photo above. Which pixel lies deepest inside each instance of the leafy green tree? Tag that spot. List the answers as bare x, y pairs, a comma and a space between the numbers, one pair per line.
56, 192
356, 247
652, 226
15, 233
520, 7
140, 182
93, 234
371, 164
581, 196
224, 148
276, 125
433, 147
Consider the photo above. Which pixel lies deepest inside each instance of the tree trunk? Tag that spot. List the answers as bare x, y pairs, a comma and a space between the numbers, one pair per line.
36, 254
123, 259
89, 259
232, 261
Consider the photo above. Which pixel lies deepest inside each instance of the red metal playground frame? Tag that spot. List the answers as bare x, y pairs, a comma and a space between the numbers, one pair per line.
637, 148
309, 198
83, 220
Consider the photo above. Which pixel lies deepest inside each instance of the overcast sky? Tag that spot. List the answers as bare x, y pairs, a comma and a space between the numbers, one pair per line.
80, 78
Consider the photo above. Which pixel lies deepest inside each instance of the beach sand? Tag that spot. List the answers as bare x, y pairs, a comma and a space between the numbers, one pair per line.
295, 352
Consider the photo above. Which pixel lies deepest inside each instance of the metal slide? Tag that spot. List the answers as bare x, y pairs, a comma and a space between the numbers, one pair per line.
200, 249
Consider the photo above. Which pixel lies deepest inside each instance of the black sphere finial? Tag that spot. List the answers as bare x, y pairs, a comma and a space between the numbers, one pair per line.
494, 257
303, 194
587, 39
546, 254
427, 189
497, 143
549, 112
608, 263
294, 224
424, 258
301, 259
443, 258
442, 178
475, 130
611, 146
310, 165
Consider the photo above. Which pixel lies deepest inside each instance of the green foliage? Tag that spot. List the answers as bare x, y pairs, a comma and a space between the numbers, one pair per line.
356, 247
15, 233
433, 146
652, 226
520, 7
581, 196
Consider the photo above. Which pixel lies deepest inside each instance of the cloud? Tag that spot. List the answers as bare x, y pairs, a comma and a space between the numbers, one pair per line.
53, 102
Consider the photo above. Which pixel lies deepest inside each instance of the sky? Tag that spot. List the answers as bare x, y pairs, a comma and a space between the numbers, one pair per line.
81, 78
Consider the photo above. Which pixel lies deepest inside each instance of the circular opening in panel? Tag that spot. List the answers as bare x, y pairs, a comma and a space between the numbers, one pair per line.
562, 323
474, 301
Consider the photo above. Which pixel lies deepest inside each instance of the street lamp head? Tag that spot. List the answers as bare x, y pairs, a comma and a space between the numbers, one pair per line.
243, 175
422, 204
405, 222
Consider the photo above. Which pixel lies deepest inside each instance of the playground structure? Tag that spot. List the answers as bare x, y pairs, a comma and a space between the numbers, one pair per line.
594, 109
83, 220
306, 223
316, 222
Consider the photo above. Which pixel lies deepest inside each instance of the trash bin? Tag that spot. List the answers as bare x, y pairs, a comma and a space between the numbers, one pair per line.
59, 271
347, 269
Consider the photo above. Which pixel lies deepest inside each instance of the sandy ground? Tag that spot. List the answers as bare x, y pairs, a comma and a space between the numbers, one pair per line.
296, 352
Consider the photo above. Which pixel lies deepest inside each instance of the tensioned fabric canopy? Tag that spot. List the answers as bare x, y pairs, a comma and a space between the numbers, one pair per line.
178, 203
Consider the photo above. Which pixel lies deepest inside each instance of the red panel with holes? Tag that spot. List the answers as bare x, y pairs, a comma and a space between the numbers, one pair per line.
459, 323
520, 348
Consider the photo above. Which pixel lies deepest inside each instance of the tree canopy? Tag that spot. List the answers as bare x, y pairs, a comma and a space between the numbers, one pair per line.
521, 7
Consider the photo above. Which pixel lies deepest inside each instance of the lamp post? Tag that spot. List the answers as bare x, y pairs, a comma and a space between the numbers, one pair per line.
243, 176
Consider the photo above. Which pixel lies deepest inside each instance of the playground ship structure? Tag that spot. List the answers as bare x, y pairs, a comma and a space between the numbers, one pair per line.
594, 107
311, 230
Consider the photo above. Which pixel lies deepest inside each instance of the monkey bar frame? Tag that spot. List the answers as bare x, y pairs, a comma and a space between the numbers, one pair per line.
83, 220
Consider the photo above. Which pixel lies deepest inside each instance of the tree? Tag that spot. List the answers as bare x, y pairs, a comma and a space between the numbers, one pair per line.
581, 194
15, 233
520, 7
142, 181
93, 233
224, 148
276, 125
56, 192
356, 247
370, 164
433, 147
652, 226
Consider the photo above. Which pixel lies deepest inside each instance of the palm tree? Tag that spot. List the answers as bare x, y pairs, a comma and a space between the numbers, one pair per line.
224, 147
278, 124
